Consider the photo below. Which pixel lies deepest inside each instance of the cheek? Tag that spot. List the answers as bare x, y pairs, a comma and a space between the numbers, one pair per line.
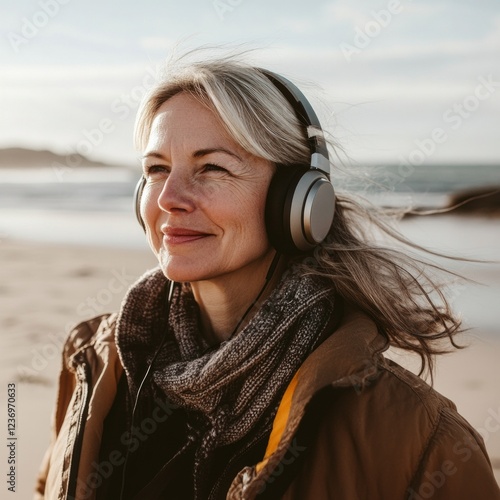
247, 216
246, 209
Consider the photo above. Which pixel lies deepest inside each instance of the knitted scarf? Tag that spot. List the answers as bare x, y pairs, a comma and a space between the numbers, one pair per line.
235, 386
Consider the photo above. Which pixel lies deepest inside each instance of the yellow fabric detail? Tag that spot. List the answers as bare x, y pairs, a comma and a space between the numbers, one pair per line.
280, 421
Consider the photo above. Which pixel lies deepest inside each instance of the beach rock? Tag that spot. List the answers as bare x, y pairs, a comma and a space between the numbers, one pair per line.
484, 200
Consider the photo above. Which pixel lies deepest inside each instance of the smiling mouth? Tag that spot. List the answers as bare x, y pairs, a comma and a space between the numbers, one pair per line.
180, 236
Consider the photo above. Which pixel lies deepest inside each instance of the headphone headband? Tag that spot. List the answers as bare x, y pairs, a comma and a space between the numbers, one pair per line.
305, 113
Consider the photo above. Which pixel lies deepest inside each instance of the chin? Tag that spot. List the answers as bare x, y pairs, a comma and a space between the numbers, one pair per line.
182, 269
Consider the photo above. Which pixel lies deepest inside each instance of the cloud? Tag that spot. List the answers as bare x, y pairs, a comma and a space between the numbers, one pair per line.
343, 11
70, 32
157, 43
28, 75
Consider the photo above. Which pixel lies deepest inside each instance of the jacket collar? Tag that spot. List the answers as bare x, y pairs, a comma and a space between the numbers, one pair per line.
348, 358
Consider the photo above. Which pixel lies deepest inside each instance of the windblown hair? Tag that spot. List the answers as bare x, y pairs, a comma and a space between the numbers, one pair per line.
251, 109
397, 290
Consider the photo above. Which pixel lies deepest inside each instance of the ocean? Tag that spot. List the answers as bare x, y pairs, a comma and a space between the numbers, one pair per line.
111, 188
95, 205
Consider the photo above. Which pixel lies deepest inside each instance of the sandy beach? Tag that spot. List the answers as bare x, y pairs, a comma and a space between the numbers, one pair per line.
47, 288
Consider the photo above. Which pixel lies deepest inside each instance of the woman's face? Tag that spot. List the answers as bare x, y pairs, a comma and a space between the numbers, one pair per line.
203, 202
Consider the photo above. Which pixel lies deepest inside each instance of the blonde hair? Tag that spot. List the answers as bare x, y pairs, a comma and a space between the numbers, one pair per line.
395, 289
251, 109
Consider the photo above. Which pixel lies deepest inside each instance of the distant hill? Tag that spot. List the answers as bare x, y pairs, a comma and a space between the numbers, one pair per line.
22, 157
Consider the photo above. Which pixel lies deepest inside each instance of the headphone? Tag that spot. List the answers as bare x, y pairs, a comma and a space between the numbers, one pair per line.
300, 203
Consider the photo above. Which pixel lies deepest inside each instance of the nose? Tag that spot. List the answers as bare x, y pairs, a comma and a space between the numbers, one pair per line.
176, 194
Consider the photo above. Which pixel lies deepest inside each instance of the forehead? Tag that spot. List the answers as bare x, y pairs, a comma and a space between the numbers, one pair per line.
184, 119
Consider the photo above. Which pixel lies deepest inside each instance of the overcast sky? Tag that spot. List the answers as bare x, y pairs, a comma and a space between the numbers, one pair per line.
388, 78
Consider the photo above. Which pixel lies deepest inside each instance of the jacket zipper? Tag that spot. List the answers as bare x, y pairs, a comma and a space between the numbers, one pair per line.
84, 379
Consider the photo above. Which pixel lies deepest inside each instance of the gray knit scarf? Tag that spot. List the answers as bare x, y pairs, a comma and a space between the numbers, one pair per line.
237, 385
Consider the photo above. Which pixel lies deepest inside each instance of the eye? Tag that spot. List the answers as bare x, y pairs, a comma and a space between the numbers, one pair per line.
213, 167
151, 170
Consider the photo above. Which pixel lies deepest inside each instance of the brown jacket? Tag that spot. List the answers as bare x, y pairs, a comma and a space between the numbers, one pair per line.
351, 425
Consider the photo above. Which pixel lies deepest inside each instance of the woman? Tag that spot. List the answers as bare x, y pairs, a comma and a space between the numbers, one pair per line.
250, 363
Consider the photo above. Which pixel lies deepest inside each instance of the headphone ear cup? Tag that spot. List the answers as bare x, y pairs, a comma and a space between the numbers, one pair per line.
139, 188
299, 211
279, 205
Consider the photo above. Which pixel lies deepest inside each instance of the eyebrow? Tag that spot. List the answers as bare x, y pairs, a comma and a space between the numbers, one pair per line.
204, 152
153, 154
197, 154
